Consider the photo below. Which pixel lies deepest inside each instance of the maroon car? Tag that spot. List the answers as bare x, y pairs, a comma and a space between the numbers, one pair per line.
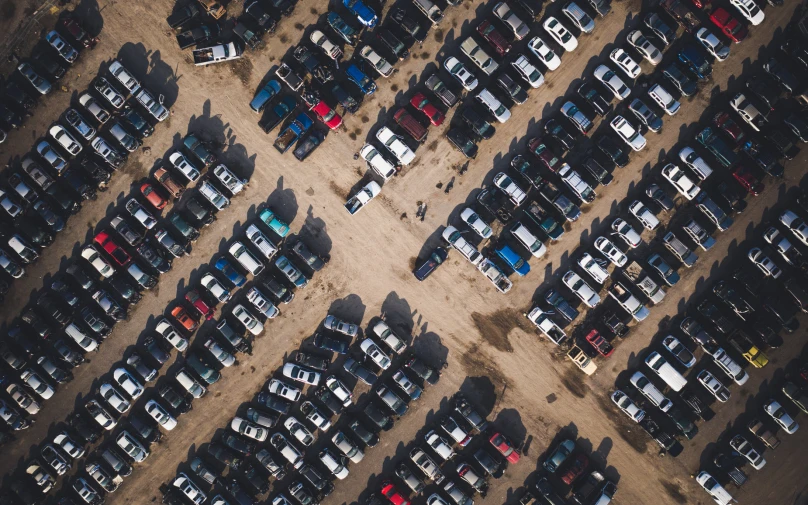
77, 32
576, 469
547, 157
723, 121
199, 304
500, 44
747, 179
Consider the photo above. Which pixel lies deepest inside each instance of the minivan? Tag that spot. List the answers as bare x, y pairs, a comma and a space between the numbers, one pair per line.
499, 111
527, 239
416, 130
648, 390
579, 18
190, 384
512, 258
245, 258
664, 99
666, 371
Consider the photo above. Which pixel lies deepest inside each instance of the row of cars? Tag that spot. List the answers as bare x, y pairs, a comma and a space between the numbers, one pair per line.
298, 424
46, 187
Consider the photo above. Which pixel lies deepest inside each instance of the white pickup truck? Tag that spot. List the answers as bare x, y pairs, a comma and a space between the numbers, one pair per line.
363, 197
628, 301
636, 274
495, 275
547, 326
216, 54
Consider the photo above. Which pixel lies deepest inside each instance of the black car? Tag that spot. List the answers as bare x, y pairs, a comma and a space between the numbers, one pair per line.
272, 402
312, 361
255, 478
324, 486
767, 333
733, 299
86, 431
615, 324
279, 292
264, 22
240, 496
144, 429
422, 370
530, 173
532, 7
224, 456
693, 401
9, 118
409, 25
125, 230
658, 195
329, 399
683, 424
379, 419
330, 343
682, 82
763, 158
365, 435
51, 307
797, 50
783, 311
96, 173
345, 99
309, 258
613, 150
56, 373
712, 313
78, 184
781, 140
178, 402
393, 43
238, 444
477, 123
487, 462
67, 353
462, 142
18, 97
781, 74
49, 65
154, 257
94, 322
430, 264
196, 212
187, 231
33, 232
728, 195
560, 134
765, 89
308, 145
124, 290
596, 170
362, 373
798, 126
157, 349
595, 98
137, 122
28, 346
277, 113
510, 86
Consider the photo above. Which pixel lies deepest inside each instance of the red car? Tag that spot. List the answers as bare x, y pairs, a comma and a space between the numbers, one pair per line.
327, 115
700, 4
199, 304
77, 32
420, 102
184, 318
115, 251
390, 492
504, 446
154, 196
747, 179
576, 469
487, 31
600, 344
729, 25
723, 121
548, 159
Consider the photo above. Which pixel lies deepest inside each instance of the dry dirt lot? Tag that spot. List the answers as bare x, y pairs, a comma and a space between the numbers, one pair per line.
456, 317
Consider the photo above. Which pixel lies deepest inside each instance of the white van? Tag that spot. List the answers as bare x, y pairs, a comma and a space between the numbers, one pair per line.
666, 371
261, 242
87, 343
648, 390
190, 384
527, 239
664, 99
245, 258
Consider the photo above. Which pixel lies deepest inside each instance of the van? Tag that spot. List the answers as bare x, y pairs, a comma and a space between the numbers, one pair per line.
578, 17
116, 462
648, 390
664, 99
245, 258
411, 125
713, 211
680, 250
88, 344
666, 371
190, 384
516, 262
430, 10
261, 242
499, 111
527, 239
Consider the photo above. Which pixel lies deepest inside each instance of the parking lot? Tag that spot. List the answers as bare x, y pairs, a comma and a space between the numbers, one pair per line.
455, 320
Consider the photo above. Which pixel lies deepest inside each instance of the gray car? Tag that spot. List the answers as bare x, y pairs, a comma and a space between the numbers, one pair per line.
37, 81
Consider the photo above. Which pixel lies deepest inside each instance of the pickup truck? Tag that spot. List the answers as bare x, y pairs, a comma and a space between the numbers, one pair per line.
546, 326
470, 414
544, 219
440, 90
720, 149
198, 35
216, 54
660, 437
289, 135
559, 200
289, 76
214, 8
600, 343
635, 273
680, 250
699, 235
582, 360
277, 114
495, 202
683, 15
312, 64
249, 37
197, 147
744, 345
430, 10
495, 275
575, 182
182, 15
628, 301
561, 305
362, 197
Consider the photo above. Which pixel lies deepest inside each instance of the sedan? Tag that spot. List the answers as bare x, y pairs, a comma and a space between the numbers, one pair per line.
37, 81
373, 351
561, 135
627, 406
714, 386
665, 33
658, 195
64, 139
710, 42
505, 447
608, 249
382, 66
581, 289
223, 357
50, 155
559, 456
528, 72
301, 374
334, 324
544, 53
612, 82
249, 321
781, 417
64, 49
153, 195
476, 223
749, 10
248, 429
161, 415
683, 184
101, 265
109, 92
796, 224
748, 180
625, 231
420, 102
764, 263
503, 11
459, 72
291, 272
625, 63
644, 47
560, 34
114, 398
129, 384
68, 445
679, 351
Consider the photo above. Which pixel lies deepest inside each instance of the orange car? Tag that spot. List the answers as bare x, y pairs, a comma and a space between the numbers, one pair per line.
154, 196
185, 319
162, 176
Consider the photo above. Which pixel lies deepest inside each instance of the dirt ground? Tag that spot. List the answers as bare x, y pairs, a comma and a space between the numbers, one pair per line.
530, 391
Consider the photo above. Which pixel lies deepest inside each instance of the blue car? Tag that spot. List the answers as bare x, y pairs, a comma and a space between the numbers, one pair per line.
232, 275
431, 264
266, 94
359, 78
696, 62
512, 258
365, 14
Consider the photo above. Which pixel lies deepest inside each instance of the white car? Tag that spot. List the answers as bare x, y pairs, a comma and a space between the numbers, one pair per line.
249, 321
644, 215
335, 464
710, 42
132, 447
377, 162
390, 339
511, 20
284, 390
628, 133
716, 491
627, 406
595, 267
161, 415
544, 53
128, 383
440, 445
101, 265
782, 245
560, 34
745, 449
114, 398
140, 213
796, 225
183, 166
454, 237
494, 106
68, 445
347, 447
124, 76
375, 353
64, 49
476, 223
747, 110
213, 195
217, 351
625, 231
215, 288
230, 181
780, 416
37, 384
714, 386
750, 10
297, 430
461, 73
650, 392
340, 390
695, 162
382, 66
65, 140
248, 429
109, 92
191, 491
395, 144
612, 81
301, 374
764, 263
676, 176
170, 333
625, 63
644, 47
506, 184
330, 49
334, 324
529, 72
581, 289
608, 249
261, 302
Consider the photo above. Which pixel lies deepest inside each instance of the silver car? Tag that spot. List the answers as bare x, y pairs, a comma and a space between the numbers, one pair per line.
37, 81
